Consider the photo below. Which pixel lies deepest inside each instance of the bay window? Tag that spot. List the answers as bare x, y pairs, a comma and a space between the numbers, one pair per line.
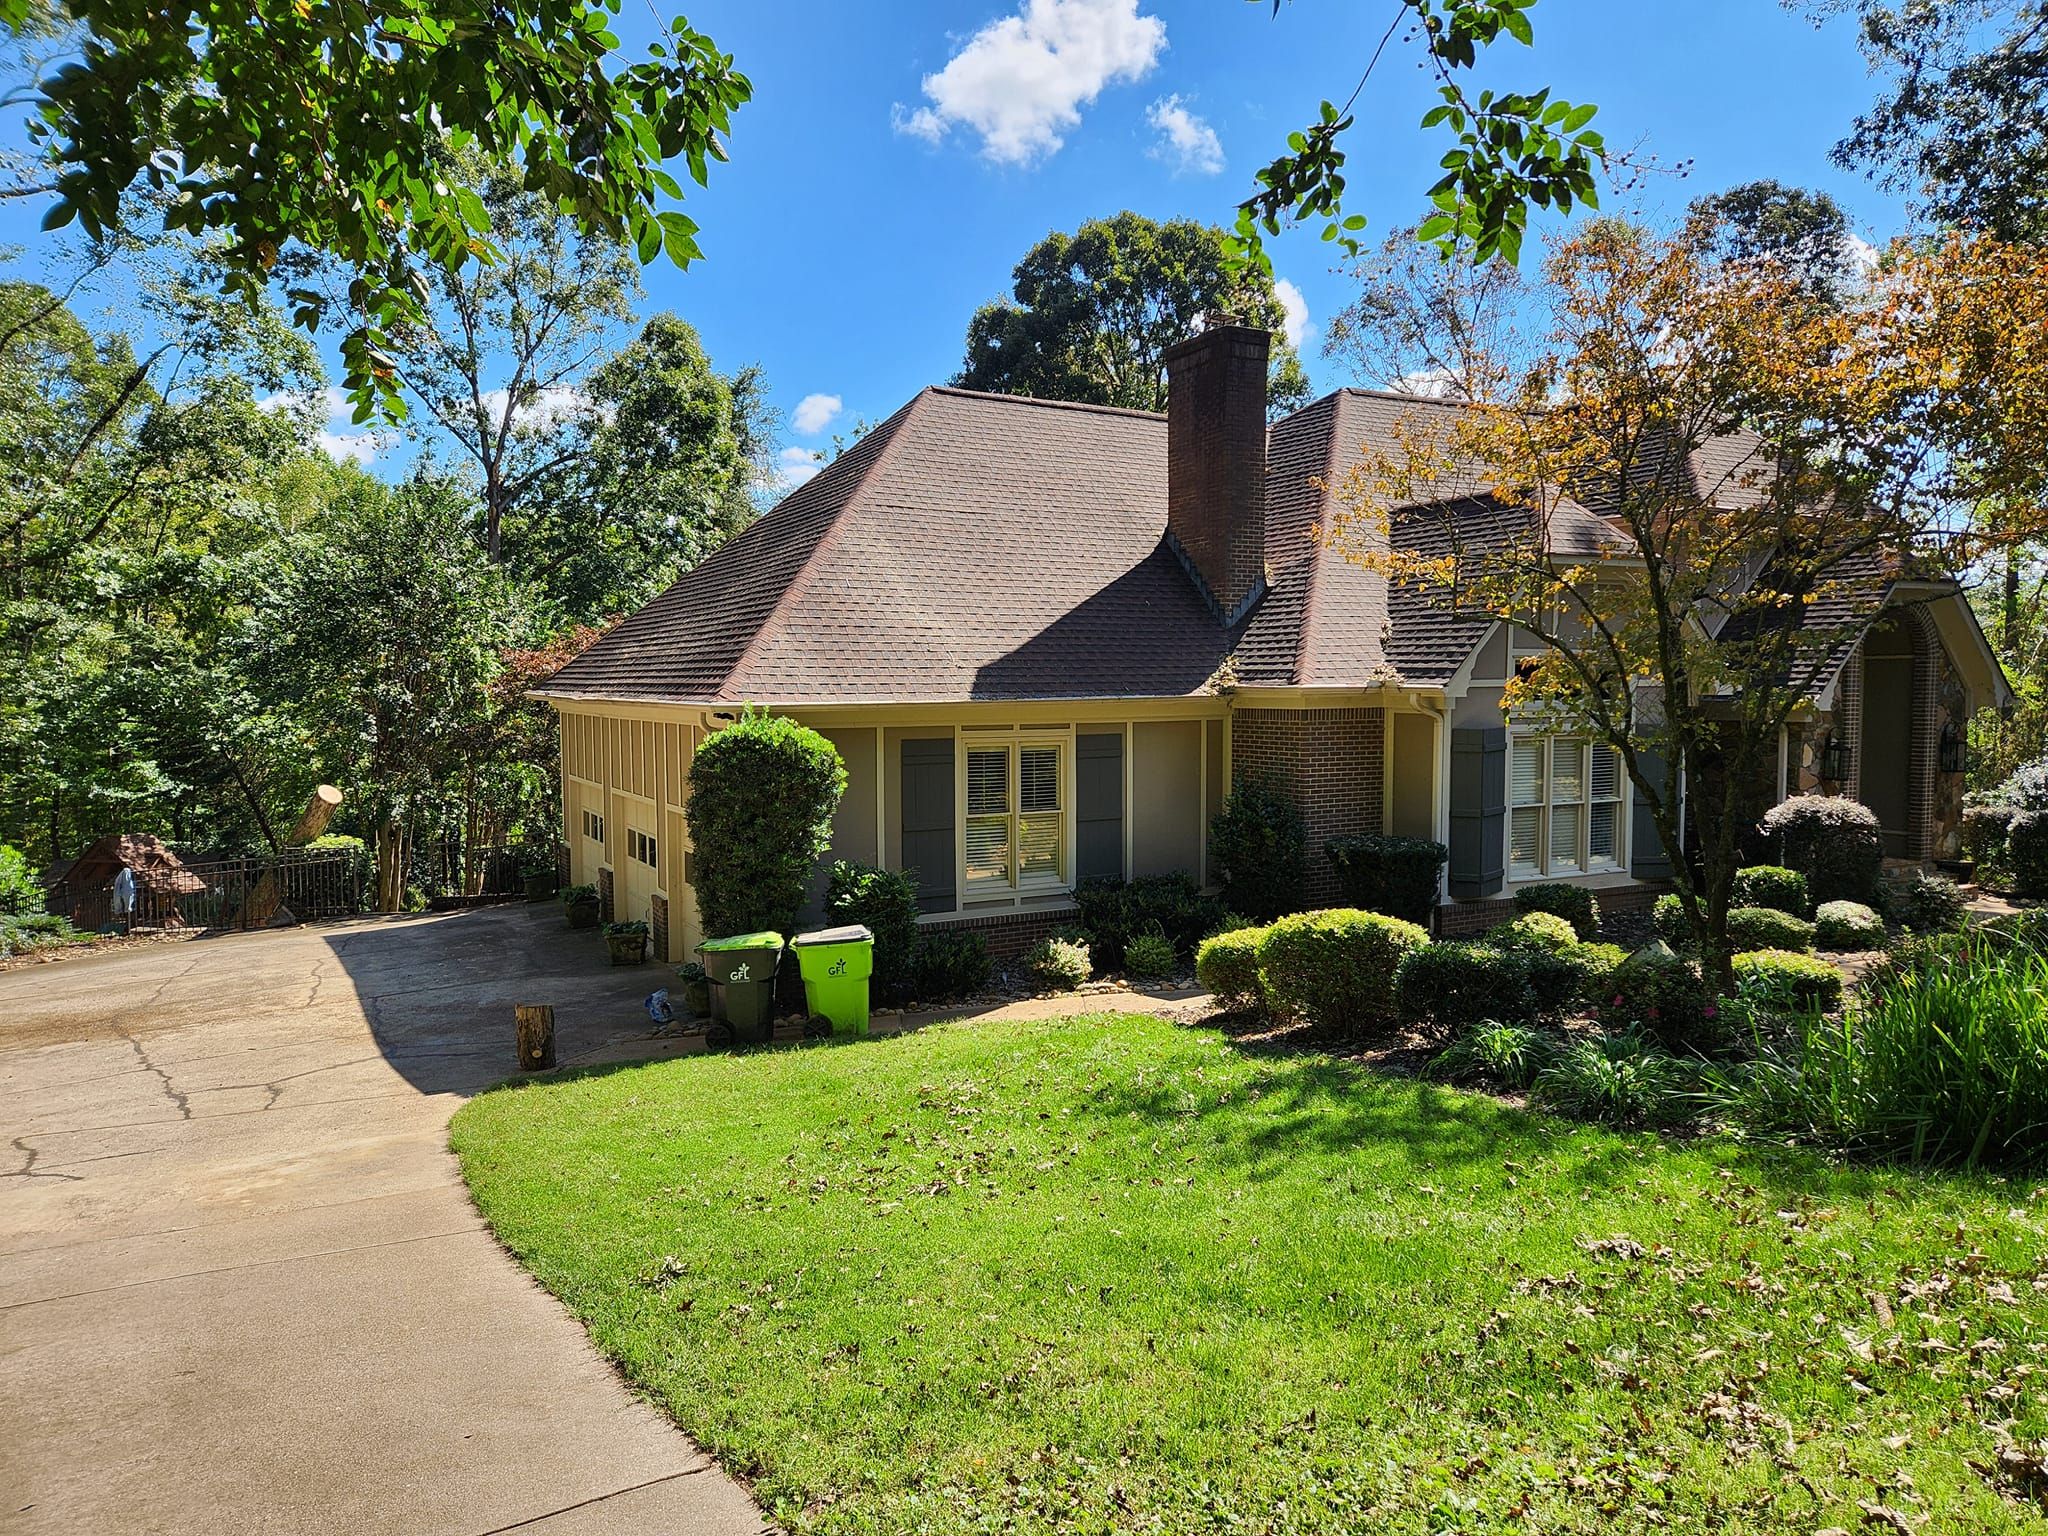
1564, 807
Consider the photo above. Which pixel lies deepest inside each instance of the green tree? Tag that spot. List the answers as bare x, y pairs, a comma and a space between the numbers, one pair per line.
1806, 232
1092, 314
1960, 123
269, 122
658, 468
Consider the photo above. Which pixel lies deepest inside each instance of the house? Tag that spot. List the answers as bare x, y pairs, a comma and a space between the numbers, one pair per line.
1047, 637
82, 890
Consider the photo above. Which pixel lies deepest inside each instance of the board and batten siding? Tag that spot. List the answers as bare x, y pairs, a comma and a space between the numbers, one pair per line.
607, 758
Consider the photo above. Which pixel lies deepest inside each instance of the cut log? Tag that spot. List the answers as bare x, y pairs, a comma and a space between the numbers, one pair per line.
313, 819
264, 908
536, 1029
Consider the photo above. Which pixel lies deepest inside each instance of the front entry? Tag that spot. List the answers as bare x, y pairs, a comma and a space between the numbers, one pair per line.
1887, 732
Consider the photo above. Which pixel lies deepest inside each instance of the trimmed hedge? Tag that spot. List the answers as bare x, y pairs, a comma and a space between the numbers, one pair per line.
1259, 843
1667, 920
1456, 986
1767, 928
762, 793
2026, 852
1227, 964
948, 965
1596, 965
1658, 990
1847, 925
1573, 903
1113, 911
1832, 841
1773, 886
1787, 982
1925, 903
1398, 876
1533, 930
885, 900
1337, 969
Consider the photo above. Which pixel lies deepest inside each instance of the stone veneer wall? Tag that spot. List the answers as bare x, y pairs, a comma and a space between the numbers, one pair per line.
1331, 762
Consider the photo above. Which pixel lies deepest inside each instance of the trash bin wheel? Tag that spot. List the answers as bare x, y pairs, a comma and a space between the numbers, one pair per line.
719, 1035
817, 1027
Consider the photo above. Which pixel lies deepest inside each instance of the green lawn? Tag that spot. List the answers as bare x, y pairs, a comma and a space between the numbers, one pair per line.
1109, 1274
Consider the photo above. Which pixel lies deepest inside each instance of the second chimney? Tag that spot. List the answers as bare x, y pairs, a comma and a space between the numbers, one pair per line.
1216, 460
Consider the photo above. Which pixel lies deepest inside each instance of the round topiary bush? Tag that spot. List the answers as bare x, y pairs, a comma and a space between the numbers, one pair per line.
1059, 965
1770, 885
1533, 930
1832, 841
762, 794
1847, 925
1337, 969
1786, 982
1925, 903
1573, 903
1767, 928
1228, 966
1455, 986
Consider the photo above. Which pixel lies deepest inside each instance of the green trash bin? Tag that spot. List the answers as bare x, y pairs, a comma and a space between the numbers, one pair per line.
836, 964
742, 974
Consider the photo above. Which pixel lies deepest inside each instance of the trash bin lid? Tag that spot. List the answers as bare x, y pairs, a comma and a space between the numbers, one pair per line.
745, 941
852, 933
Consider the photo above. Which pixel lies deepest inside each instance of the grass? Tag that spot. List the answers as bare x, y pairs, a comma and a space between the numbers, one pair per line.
1107, 1274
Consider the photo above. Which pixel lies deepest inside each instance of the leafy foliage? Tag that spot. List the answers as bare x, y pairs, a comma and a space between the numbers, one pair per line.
1767, 928
1497, 1054
1773, 886
1259, 843
1785, 981
1227, 964
1924, 903
274, 122
762, 794
1059, 965
1573, 903
1832, 841
1395, 875
1534, 930
1768, 222
1150, 956
885, 900
1093, 313
1847, 925
1114, 911
1659, 992
20, 890
948, 965
1338, 969
1622, 1079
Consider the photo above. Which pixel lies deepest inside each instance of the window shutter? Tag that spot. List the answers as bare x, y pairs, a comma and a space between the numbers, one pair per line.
1648, 859
927, 848
1099, 805
1479, 770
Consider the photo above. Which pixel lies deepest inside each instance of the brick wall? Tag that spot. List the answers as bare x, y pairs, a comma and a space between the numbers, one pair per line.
1216, 460
1464, 919
1332, 762
1011, 935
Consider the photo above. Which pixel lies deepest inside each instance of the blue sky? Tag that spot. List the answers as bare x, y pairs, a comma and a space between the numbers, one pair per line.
897, 159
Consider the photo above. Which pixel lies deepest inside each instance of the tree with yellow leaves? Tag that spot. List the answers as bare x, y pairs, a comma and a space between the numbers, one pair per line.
1692, 492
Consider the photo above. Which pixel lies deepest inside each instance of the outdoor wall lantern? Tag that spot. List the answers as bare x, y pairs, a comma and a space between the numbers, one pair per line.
1953, 749
1834, 761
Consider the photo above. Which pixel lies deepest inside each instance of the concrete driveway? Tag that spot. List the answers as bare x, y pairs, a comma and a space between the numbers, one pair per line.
242, 1287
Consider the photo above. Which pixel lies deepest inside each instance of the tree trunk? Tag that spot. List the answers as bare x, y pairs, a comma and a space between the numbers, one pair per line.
391, 867
320, 809
536, 1033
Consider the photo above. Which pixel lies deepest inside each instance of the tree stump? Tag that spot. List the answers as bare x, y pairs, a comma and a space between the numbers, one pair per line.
536, 1036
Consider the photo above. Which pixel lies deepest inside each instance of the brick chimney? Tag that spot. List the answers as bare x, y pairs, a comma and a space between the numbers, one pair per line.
1216, 460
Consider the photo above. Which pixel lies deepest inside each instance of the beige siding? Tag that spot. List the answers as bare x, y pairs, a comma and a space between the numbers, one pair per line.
855, 832
1411, 797
1166, 797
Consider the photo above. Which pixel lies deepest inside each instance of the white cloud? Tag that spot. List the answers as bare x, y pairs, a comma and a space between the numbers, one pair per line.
360, 446
1186, 142
332, 407
548, 408
1861, 253
1429, 384
1021, 81
793, 466
814, 413
1295, 324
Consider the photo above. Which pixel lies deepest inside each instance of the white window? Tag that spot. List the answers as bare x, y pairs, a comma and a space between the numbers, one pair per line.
1016, 832
1564, 807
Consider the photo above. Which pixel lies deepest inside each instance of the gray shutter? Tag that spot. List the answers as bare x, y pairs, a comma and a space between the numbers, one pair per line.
1648, 859
1099, 805
928, 845
1479, 808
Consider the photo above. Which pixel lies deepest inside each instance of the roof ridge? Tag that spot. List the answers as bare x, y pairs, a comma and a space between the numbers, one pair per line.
776, 619
1058, 405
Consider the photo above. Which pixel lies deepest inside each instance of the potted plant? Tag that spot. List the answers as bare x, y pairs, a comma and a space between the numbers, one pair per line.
579, 902
695, 986
627, 942
537, 870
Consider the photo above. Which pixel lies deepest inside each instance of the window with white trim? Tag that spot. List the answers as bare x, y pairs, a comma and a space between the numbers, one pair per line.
1564, 807
1016, 831
593, 826
641, 848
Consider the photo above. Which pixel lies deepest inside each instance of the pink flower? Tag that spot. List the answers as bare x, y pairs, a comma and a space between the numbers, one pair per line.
1617, 999
1653, 1010
1713, 1012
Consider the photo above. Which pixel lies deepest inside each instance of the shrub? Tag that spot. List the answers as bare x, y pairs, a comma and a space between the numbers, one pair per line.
1149, 956
1337, 969
1455, 986
341, 842
27, 933
1059, 965
1596, 965
1573, 903
1509, 1055
1773, 886
1112, 910
1227, 964
1659, 991
1785, 982
944, 966
1924, 903
20, 890
1667, 920
1847, 925
1942, 1059
1833, 842
1986, 829
885, 902
762, 793
1767, 928
1533, 930
1259, 843
1399, 876
2026, 852
1622, 1079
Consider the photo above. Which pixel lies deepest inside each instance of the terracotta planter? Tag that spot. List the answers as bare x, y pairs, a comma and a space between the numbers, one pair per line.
627, 948
540, 887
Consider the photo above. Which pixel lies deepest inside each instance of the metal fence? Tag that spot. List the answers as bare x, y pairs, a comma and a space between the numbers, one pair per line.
233, 893
481, 871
